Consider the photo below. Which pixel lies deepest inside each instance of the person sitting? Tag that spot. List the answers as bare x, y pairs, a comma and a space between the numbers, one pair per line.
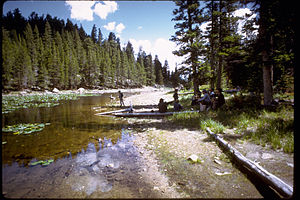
177, 105
204, 101
211, 93
162, 106
195, 99
219, 99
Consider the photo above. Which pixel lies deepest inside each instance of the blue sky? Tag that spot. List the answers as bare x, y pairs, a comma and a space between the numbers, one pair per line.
143, 23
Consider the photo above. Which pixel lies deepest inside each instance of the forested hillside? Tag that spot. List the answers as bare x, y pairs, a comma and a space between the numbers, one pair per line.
45, 53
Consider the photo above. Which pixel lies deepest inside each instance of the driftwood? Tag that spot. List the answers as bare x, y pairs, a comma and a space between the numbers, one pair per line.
277, 184
114, 111
149, 114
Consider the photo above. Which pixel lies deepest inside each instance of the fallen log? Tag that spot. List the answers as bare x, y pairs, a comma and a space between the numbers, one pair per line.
114, 111
149, 114
277, 184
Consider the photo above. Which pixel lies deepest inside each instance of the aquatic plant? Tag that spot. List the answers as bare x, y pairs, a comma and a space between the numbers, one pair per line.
11, 103
25, 128
42, 162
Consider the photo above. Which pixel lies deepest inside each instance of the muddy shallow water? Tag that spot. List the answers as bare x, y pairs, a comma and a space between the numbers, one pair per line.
93, 156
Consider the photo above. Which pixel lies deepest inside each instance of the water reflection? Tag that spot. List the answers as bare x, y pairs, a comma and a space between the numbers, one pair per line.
99, 170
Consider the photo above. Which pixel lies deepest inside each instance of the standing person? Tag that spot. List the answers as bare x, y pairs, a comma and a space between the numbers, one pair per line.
121, 98
175, 95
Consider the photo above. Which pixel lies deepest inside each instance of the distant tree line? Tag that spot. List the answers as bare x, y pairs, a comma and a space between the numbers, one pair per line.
261, 60
45, 53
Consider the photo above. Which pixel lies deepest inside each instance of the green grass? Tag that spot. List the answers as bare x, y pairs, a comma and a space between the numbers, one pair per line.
245, 114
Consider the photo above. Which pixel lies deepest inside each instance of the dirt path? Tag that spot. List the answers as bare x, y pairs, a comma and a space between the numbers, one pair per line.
165, 148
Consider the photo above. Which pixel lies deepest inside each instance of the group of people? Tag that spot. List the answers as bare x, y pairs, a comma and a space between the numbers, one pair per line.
162, 105
210, 99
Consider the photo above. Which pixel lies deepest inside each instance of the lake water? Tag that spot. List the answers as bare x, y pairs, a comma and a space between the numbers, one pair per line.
94, 156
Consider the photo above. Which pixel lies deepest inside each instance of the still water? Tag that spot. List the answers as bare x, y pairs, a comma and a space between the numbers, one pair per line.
94, 156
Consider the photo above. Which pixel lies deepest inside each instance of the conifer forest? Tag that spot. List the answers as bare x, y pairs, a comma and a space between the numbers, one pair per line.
45, 52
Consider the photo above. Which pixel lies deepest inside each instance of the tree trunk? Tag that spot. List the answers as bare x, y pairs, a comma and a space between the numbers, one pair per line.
212, 53
220, 66
266, 41
267, 79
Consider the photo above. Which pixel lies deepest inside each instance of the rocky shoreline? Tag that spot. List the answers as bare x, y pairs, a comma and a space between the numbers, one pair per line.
83, 91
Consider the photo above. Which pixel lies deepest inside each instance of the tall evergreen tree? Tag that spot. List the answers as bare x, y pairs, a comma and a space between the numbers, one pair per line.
188, 18
8, 59
158, 71
94, 34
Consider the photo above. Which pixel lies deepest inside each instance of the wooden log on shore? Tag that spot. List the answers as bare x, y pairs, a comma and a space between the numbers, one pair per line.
149, 114
277, 184
114, 111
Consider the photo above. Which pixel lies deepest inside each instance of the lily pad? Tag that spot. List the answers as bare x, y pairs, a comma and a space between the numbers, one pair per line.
36, 163
43, 162
24, 128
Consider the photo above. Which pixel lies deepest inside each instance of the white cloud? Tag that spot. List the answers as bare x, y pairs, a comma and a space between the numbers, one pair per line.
145, 44
241, 12
119, 28
102, 10
139, 28
81, 10
241, 22
110, 26
204, 26
161, 47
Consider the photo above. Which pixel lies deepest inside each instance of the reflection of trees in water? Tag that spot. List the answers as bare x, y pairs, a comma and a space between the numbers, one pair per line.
73, 126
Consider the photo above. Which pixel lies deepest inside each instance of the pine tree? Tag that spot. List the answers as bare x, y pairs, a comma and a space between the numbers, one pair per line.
60, 62
132, 74
165, 73
140, 62
32, 51
94, 34
8, 60
188, 18
158, 71
100, 37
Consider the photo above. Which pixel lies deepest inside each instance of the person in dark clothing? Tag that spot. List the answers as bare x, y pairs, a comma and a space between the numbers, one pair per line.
177, 105
195, 99
121, 98
162, 106
219, 99
205, 102
175, 95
